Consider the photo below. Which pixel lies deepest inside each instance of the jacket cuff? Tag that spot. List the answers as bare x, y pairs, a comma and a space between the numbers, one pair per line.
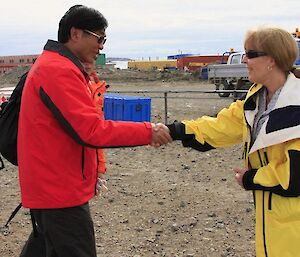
102, 168
248, 179
177, 130
102, 171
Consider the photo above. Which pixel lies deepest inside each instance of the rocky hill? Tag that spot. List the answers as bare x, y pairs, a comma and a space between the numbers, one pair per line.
111, 74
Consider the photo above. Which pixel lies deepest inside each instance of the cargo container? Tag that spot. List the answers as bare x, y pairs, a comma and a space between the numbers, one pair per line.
153, 65
187, 62
127, 108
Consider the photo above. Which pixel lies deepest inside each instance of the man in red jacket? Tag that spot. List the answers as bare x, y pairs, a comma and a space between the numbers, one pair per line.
60, 131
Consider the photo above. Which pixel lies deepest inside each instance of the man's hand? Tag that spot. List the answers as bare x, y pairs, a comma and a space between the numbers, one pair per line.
101, 184
160, 135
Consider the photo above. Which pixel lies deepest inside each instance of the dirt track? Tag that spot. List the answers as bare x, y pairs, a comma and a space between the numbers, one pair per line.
167, 202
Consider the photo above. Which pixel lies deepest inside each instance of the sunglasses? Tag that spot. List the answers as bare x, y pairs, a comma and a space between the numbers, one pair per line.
101, 39
254, 54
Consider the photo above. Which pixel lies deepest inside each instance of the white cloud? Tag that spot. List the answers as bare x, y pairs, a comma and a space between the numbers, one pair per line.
138, 28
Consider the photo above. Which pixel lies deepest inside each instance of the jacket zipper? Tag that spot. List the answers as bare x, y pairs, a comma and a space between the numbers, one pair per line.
264, 226
266, 160
263, 211
97, 166
82, 163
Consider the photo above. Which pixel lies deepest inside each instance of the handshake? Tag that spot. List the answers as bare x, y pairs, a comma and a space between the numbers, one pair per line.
160, 135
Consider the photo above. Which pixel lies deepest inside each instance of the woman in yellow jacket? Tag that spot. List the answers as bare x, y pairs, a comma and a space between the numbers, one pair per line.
267, 122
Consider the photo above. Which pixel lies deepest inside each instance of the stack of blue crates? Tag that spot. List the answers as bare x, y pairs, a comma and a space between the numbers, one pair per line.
127, 108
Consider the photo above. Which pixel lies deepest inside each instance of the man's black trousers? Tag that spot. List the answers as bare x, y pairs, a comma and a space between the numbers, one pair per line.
67, 232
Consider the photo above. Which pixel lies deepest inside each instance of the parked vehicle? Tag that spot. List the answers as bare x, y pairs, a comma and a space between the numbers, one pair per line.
233, 75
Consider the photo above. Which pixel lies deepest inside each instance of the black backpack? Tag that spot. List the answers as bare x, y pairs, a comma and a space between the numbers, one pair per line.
9, 118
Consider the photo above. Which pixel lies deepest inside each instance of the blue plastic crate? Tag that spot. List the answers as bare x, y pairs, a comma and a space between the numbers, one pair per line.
108, 107
127, 108
118, 108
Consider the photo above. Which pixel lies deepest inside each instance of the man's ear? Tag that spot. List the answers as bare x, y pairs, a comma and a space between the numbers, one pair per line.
75, 34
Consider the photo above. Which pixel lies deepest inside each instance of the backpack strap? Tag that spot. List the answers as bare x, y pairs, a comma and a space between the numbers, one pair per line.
1, 164
34, 225
13, 214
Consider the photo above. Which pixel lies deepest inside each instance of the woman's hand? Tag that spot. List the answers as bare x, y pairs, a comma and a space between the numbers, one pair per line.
239, 174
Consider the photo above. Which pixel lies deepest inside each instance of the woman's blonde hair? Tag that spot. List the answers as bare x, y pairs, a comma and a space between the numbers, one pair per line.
275, 42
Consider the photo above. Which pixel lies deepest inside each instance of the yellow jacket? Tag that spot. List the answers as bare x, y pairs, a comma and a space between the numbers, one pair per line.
273, 161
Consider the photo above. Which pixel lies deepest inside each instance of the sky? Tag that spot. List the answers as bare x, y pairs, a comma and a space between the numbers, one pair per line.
143, 29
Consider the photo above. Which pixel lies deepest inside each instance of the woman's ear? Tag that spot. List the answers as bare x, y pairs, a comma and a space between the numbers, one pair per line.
271, 62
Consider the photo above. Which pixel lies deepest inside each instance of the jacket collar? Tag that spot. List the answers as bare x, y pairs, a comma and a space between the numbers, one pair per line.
283, 123
250, 103
61, 49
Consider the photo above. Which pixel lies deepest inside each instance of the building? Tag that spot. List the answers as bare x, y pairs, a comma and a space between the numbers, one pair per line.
9, 62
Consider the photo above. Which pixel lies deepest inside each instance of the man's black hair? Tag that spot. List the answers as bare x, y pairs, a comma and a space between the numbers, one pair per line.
80, 17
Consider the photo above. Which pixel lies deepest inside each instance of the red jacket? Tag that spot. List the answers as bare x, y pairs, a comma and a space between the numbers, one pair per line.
60, 130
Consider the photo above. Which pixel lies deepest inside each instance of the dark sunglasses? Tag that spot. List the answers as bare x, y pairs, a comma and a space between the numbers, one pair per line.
254, 54
101, 39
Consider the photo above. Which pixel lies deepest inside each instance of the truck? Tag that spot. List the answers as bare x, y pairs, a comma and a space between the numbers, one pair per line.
233, 74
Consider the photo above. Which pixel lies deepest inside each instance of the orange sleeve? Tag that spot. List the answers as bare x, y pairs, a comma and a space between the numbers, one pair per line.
101, 161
